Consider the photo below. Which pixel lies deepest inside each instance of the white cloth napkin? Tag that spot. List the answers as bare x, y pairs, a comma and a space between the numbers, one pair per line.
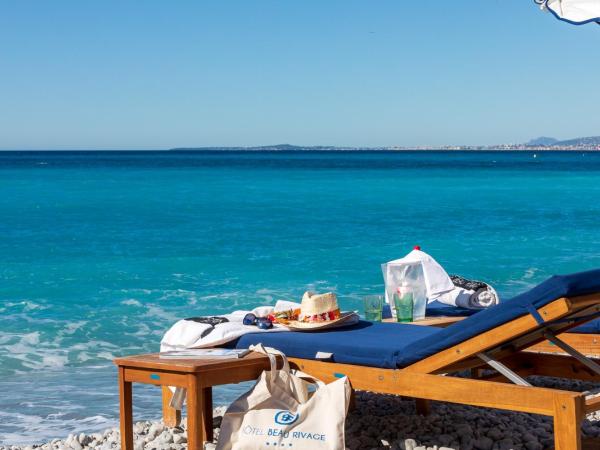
437, 281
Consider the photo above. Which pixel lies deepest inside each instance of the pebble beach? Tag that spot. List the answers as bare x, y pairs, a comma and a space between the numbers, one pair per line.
381, 421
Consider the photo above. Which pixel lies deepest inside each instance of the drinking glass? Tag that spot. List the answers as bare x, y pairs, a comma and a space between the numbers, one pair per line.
404, 307
373, 307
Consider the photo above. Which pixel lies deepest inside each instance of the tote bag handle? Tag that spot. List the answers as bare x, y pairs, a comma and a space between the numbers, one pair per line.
272, 355
309, 378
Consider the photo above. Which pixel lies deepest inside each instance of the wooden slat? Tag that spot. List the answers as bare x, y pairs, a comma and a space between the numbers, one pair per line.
586, 300
592, 405
561, 366
244, 373
489, 339
588, 344
156, 377
193, 365
437, 387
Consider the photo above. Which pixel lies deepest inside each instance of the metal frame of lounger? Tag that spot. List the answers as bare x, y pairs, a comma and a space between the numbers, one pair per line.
502, 347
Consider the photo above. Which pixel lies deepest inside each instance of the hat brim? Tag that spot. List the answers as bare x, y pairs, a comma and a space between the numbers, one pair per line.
347, 318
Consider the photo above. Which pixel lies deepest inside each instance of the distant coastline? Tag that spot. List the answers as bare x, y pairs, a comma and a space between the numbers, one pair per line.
591, 143
541, 144
450, 148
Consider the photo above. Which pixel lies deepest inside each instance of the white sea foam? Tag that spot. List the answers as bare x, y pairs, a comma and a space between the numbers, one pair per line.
139, 291
131, 302
270, 295
530, 273
33, 428
54, 361
28, 339
83, 357
143, 330
27, 305
72, 327
158, 312
32, 351
106, 355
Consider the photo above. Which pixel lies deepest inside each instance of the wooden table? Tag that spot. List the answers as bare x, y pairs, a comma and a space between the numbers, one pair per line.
198, 376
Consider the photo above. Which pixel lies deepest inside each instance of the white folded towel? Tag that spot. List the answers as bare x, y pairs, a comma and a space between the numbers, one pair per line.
190, 334
465, 298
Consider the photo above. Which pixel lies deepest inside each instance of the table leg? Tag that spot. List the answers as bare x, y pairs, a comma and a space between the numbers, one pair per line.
207, 417
423, 406
126, 411
171, 416
195, 413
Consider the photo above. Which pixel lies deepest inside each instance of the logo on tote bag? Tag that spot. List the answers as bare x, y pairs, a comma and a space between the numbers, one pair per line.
286, 417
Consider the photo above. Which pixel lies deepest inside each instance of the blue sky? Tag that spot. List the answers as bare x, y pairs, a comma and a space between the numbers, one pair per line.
160, 74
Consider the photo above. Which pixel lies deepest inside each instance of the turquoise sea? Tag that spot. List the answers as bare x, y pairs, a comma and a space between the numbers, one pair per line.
103, 251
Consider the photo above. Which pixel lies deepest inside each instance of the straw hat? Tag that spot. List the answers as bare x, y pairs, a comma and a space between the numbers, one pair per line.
320, 311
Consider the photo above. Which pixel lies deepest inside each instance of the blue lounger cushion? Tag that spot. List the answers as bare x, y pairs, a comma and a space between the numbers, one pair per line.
366, 343
591, 327
439, 309
391, 345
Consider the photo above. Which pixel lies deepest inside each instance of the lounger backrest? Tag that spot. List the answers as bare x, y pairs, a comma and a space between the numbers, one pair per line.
550, 297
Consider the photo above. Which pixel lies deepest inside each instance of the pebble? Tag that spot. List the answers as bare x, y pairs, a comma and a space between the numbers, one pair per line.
179, 439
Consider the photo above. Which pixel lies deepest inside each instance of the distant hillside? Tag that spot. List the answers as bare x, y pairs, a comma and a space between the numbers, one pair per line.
576, 142
543, 140
591, 140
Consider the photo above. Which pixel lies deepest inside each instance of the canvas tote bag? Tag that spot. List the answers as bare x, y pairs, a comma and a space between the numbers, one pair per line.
281, 411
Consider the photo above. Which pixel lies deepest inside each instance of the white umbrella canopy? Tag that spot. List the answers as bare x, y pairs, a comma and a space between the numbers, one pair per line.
576, 12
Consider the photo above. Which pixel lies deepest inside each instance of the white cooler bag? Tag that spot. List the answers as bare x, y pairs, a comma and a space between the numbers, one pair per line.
281, 411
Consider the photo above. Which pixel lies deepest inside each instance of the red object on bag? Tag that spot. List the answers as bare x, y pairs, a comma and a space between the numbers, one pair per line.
417, 247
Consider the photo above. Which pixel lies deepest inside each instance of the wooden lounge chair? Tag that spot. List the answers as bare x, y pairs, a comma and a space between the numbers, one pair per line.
415, 364
585, 338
